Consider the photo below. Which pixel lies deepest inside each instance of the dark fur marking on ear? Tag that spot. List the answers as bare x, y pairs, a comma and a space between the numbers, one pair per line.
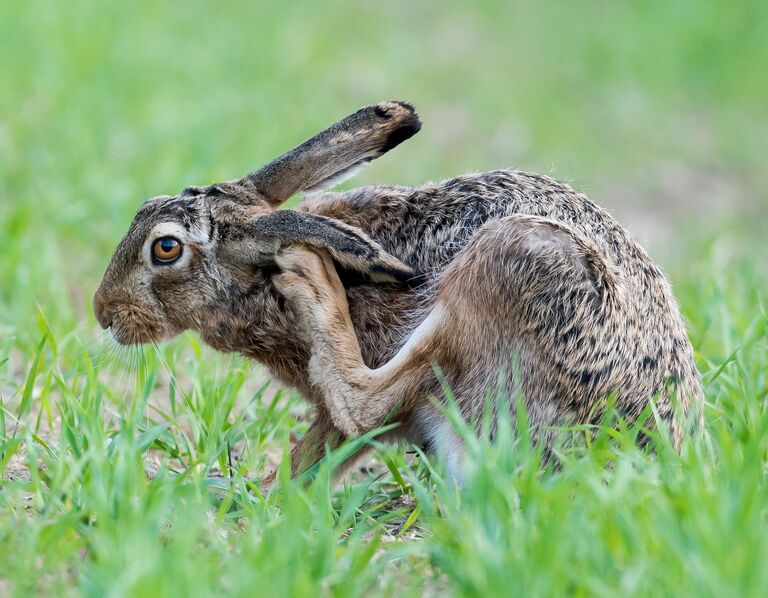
350, 278
407, 130
353, 278
347, 245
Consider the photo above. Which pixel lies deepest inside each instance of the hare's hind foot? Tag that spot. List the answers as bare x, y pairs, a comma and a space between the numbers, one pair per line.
358, 398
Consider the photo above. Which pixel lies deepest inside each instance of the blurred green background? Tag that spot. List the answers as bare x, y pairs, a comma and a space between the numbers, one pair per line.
658, 110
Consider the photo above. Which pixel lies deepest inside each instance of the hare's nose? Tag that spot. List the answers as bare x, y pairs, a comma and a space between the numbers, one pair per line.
102, 311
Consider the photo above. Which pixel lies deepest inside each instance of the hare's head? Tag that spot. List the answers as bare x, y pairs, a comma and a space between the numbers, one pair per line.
186, 256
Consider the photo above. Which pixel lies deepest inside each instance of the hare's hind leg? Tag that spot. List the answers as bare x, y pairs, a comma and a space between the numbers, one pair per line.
358, 398
507, 299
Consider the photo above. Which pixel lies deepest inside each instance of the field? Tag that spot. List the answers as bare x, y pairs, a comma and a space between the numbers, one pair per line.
136, 472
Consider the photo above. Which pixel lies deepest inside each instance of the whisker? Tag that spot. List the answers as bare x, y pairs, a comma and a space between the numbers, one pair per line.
173, 380
147, 368
124, 363
96, 352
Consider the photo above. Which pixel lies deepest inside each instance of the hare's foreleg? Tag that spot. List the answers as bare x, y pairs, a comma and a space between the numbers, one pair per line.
322, 435
358, 398
311, 447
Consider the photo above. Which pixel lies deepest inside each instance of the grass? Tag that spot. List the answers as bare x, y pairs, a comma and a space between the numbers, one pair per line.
135, 473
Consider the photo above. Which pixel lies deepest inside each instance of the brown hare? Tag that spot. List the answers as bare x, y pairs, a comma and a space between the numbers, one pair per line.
507, 283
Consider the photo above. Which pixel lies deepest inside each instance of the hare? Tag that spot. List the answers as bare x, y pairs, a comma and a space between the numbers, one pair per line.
373, 301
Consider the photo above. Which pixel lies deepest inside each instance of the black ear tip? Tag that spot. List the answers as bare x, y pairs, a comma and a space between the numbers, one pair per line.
406, 130
407, 122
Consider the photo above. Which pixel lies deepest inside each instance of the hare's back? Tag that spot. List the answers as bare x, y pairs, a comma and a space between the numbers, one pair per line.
427, 226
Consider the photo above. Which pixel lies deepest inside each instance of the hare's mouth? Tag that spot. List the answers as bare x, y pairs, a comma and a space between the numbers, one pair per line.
125, 336
129, 328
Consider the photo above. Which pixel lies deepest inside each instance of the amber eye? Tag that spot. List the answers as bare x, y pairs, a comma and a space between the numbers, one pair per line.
166, 250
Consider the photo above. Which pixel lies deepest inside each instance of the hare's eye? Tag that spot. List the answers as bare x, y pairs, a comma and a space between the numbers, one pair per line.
166, 250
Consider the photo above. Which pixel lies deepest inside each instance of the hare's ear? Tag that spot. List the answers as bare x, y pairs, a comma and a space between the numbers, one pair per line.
335, 154
349, 246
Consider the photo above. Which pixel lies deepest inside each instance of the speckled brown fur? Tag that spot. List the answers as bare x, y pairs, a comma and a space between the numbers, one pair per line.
499, 272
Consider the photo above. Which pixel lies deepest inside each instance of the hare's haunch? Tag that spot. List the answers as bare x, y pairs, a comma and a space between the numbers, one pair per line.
512, 284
